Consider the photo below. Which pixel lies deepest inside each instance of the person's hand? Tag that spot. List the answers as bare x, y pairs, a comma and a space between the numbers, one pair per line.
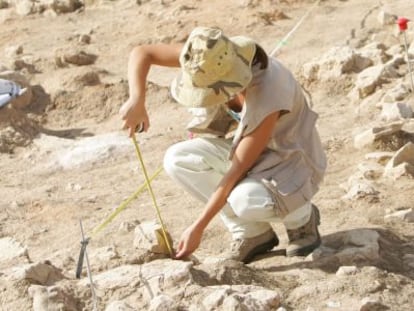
189, 241
135, 115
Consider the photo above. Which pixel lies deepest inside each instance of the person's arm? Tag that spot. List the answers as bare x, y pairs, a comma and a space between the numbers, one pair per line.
133, 111
246, 154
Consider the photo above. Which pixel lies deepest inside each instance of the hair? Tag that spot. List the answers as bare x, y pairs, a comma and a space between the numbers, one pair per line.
260, 57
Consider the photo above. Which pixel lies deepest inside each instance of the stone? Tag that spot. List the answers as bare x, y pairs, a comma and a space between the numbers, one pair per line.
43, 273
371, 304
368, 137
381, 156
162, 303
386, 18
403, 215
215, 299
409, 260
11, 249
402, 163
157, 275
103, 254
396, 172
13, 51
119, 306
24, 7
52, 298
347, 270
337, 61
395, 112
148, 235
361, 189
359, 244
369, 79
397, 93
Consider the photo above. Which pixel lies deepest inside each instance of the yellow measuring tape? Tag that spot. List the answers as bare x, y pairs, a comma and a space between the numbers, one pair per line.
148, 183
124, 204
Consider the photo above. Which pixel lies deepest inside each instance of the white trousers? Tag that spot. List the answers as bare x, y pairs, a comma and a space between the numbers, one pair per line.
199, 165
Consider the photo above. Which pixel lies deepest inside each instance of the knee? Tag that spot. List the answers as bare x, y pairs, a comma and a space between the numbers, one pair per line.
171, 159
248, 199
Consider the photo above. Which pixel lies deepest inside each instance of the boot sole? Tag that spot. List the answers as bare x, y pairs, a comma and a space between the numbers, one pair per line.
306, 250
261, 249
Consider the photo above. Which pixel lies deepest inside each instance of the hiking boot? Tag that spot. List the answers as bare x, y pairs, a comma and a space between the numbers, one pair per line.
303, 240
245, 249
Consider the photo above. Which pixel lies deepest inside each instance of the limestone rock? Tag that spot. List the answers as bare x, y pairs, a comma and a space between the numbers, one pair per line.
403, 215
395, 112
52, 298
369, 79
148, 235
162, 303
11, 249
346, 270
369, 136
337, 61
386, 18
119, 306
43, 273
402, 163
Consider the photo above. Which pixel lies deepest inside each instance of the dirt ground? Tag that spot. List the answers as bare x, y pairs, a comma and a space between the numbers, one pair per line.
41, 201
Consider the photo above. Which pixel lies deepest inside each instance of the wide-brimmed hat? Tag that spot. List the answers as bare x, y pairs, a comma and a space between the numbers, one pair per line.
214, 68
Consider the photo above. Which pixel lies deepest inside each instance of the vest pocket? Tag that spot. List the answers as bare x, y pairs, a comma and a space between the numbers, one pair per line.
291, 189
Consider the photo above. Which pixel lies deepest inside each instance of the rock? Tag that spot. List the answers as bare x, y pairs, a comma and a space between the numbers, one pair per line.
119, 306
395, 112
24, 7
52, 298
85, 39
80, 58
396, 172
11, 249
157, 275
13, 51
240, 297
411, 50
370, 171
369, 136
381, 156
336, 62
103, 254
148, 235
386, 18
371, 304
369, 79
43, 273
402, 162
64, 6
397, 93
403, 215
68, 154
215, 299
409, 260
162, 303
360, 244
375, 51
74, 56
360, 190
347, 270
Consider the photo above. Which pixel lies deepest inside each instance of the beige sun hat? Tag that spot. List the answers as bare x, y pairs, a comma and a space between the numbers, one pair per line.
214, 68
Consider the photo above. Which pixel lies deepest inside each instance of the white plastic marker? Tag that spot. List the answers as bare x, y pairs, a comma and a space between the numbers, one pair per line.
8, 91
402, 23
290, 33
